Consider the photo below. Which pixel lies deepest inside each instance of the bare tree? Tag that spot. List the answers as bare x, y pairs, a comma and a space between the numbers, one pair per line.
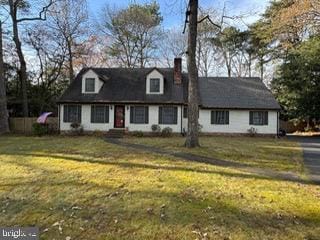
51, 53
174, 44
4, 124
205, 52
70, 19
193, 98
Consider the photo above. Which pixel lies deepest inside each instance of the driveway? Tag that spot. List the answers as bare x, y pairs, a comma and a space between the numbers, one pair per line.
311, 155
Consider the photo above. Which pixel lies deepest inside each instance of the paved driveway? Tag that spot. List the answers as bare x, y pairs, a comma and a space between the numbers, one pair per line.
311, 155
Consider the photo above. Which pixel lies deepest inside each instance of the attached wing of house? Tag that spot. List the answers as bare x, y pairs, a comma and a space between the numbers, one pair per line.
135, 99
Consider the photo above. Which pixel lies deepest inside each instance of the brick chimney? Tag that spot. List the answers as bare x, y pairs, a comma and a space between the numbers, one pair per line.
177, 74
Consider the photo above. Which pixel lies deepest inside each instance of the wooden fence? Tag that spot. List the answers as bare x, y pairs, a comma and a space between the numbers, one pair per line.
290, 127
24, 125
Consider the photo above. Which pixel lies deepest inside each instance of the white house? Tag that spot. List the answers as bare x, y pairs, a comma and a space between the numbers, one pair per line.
135, 99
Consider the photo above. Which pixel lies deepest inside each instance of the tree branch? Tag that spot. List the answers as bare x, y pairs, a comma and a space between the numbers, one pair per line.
42, 14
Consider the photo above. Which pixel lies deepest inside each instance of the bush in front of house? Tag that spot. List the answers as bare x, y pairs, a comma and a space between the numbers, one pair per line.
137, 134
76, 128
166, 132
156, 129
39, 129
252, 132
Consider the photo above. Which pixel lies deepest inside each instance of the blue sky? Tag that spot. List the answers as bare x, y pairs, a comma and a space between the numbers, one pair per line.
173, 10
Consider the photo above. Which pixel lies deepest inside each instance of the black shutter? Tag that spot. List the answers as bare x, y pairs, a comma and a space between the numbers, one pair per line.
79, 113
65, 112
131, 114
146, 115
265, 120
160, 115
106, 117
92, 113
213, 117
227, 117
251, 118
175, 115
185, 112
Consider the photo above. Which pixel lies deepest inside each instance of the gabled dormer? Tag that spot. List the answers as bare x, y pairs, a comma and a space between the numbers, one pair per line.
155, 82
91, 82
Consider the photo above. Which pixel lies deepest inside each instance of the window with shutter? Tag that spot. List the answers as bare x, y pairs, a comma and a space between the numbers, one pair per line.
219, 117
72, 113
168, 115
258, 118
99, 114
139, 114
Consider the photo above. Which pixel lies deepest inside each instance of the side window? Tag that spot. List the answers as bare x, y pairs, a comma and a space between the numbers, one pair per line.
258, 118
220, 117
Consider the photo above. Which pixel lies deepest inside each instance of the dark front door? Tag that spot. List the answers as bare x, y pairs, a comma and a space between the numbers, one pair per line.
119, 116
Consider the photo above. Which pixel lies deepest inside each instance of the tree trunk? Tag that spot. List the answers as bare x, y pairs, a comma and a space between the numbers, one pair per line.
249, 65
193, 105
229, 71
23, 67
261, 69
71, 72
4, 124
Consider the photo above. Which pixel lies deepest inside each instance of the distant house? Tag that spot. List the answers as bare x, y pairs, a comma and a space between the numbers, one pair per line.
135, 99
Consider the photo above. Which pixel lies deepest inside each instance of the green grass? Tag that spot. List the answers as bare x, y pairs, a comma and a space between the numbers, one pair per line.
257, 152
96, 190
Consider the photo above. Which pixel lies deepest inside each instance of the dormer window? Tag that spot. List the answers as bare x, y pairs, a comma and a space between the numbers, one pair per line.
155, 82
90, 85
154, 85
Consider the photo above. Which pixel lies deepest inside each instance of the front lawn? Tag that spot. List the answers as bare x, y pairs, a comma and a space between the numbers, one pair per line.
85, 188
270, 153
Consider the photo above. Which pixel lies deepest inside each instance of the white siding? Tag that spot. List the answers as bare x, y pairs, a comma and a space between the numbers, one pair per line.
88, 126
238, 123
86, 120
153, 119
98, 83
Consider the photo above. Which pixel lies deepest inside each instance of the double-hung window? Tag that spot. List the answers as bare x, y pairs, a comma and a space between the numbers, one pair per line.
258, 118
168, 115
139, 114
99, 114
72, 113
154, 85
89, 85
219, 117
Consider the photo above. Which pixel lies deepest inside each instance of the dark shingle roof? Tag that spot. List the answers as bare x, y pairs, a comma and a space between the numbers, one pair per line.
235, 93
129, 86
126, 85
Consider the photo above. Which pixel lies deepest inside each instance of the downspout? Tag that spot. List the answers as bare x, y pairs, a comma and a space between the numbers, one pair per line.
181, 116
59, 118
277, 123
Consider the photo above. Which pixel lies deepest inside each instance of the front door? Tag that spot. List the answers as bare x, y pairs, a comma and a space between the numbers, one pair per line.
119, 116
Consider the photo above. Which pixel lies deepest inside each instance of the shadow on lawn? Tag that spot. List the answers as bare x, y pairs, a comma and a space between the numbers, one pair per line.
100, 206
251, 172
259, 172
130, 209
